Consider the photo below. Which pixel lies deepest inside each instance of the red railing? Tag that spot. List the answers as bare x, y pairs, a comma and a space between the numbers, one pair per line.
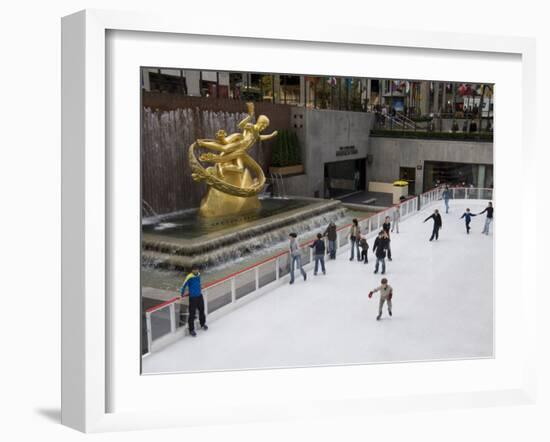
161, 306
302, 245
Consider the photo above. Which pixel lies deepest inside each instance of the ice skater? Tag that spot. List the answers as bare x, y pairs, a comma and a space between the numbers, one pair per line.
489, 219
318, 247
438, 224
379, 250
468, 218
396, 217
354, 236
386, 228
295, 257
364, 249
331, 235
446, 195
196, 301
386, 294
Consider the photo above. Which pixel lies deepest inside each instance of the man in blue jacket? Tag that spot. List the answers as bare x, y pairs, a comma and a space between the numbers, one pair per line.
196, 301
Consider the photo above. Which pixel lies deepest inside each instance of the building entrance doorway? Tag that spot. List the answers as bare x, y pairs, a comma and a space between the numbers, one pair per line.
344, 178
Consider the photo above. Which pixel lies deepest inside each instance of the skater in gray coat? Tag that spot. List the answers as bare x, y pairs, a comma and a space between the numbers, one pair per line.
396, 217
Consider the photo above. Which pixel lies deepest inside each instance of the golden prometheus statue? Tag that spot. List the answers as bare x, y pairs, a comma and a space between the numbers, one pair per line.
235, 179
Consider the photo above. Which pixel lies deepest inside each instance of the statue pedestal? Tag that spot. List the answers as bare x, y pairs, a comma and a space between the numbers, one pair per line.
218, 204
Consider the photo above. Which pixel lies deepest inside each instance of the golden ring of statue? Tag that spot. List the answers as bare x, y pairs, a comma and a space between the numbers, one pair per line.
209, 176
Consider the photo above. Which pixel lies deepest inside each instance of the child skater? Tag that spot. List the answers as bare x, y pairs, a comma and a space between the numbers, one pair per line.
364, 249
386, 293
467, 217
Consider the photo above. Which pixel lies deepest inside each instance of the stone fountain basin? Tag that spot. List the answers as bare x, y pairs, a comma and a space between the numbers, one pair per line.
167, 250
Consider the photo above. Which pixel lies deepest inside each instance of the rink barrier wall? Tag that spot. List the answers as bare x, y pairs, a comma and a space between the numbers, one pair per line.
238, 288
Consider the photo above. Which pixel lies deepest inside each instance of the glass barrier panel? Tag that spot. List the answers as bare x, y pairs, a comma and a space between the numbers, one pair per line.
219, 295
267, 273
343, 237
181, 314
460, 193
306, 255
284, 265
160, 323
486, 194
245, 283
375, 222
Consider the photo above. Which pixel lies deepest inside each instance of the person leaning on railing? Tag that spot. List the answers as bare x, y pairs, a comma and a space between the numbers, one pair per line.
331, 235
196, 301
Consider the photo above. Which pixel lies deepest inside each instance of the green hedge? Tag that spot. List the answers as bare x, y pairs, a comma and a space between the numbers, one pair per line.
422, 135
286, 149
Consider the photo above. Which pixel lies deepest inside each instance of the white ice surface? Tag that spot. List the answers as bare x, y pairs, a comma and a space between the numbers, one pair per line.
442, 308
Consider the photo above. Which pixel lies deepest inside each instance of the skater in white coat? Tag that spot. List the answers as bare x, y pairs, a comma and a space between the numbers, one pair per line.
396, 217
386, 294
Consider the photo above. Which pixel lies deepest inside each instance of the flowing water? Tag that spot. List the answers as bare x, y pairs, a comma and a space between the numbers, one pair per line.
228, 260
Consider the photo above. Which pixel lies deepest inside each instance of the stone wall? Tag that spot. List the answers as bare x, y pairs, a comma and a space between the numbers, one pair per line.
389, 154
170, 124
328, 136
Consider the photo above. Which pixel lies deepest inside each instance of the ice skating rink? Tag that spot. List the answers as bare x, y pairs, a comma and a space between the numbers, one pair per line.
442, 308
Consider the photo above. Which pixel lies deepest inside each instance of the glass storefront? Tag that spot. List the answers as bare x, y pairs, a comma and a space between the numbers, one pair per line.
457, 174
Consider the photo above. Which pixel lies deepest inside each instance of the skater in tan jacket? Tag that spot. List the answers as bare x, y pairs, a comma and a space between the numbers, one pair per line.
386, 292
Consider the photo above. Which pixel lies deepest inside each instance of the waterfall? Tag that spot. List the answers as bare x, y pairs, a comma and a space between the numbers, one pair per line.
245, 243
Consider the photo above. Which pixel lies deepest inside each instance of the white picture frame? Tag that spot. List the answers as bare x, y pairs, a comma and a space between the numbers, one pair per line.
88, 361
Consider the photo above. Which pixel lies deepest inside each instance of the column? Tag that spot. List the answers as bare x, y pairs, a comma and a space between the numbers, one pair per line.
276, 88
436, 104
193, 82
302, 90
369, 102
424, 97
419, 179
481, 175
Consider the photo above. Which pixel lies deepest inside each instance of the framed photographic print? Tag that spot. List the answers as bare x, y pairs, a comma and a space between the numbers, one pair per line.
269, 224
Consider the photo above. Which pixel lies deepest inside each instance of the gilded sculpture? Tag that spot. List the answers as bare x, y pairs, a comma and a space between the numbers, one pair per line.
234, 180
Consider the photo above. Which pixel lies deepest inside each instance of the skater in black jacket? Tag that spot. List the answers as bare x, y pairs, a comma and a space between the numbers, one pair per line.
318, 247
438, 224
489, 210
379, 250
468, 217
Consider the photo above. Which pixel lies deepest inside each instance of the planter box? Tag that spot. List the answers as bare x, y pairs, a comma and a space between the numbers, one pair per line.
288, 170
